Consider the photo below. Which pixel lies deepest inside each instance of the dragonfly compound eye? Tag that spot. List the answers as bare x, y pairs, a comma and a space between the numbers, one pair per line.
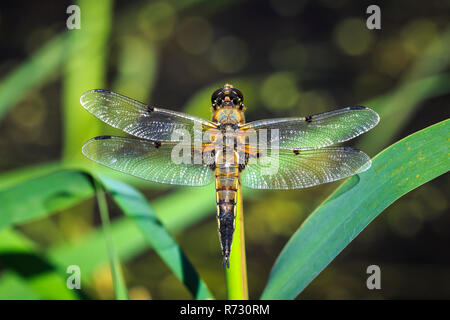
236, 96
215, 95
238, 93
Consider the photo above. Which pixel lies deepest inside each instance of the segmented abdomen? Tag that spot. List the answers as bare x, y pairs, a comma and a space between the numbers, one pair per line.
227, 179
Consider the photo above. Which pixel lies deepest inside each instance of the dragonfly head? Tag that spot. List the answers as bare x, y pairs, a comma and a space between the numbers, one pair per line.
227, 104
227, 96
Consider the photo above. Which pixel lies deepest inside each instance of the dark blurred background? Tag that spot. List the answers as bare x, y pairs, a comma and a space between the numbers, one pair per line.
289, 58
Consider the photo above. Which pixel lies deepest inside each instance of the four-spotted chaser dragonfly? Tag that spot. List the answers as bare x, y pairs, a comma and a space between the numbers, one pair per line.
299, 146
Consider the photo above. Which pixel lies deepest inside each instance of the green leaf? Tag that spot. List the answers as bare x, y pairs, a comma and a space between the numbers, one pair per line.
56, 191
176, 211
135, 206
42, 196
397, 170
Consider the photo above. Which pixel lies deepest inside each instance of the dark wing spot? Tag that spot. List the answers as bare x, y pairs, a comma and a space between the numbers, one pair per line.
357, 108
150, 108
157, 144
351, 149
258, 155
102, 137
102, 90
296, 152
308, 118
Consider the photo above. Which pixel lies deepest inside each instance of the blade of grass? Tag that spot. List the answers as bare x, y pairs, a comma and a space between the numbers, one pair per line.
134, 205
236, 275
128, 240
120, 288
176, 211
397, 170
56, 191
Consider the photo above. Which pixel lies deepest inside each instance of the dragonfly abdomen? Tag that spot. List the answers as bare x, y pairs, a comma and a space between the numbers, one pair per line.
227, 179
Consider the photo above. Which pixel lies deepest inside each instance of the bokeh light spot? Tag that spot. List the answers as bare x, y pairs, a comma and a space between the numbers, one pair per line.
418, 34
229, 54
404, 223
391, 58
194, 35
157, 20
353, 37
313, 102
287, 54
280, 91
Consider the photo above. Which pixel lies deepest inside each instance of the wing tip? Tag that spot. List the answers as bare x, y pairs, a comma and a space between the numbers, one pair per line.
368, 162
377, 116
366, 166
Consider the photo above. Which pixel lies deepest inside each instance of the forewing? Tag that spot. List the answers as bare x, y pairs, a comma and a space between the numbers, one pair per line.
139, 119
147, 160
294, 169
315, 131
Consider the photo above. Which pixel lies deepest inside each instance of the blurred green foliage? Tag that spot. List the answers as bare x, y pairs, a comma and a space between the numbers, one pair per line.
342, 216
289, 58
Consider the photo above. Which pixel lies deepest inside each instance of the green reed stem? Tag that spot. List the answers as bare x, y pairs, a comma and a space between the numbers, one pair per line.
120, 288
236, 275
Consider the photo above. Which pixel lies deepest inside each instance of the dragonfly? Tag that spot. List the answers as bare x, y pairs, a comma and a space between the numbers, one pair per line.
281, 153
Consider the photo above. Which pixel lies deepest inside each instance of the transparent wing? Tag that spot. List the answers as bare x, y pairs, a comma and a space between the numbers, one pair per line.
147, 160
294, 169
315, 131
139, 119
